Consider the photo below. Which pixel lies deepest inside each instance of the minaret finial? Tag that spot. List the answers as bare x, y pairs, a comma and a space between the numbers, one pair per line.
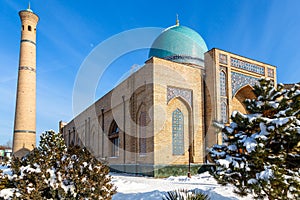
177, 20
28, 9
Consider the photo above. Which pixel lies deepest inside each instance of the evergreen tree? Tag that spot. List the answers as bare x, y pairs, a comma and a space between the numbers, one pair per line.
51, 171
261, 150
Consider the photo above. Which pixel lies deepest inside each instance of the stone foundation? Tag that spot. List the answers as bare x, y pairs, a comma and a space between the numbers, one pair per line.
159, 171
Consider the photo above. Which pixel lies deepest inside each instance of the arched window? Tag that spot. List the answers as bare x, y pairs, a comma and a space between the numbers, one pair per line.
224, 117
69, 137
94, 141
223, 86
29, 28
114, 139
142, 133
73, 140
177, 132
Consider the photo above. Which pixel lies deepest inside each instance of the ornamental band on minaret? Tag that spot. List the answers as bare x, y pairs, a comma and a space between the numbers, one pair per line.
25, 115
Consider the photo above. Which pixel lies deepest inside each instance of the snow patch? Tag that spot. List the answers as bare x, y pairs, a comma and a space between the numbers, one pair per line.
265, 175
250, 144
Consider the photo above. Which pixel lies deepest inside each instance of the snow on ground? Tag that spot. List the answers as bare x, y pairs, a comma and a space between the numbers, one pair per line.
130, 187
144, 188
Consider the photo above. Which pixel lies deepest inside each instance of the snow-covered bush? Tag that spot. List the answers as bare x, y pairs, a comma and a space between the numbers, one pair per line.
51, 171
261, 150
183, 194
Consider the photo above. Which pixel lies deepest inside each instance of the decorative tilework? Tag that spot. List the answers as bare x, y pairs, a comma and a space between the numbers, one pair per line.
173, 92
30, 41
224, 116
223, 58
185, 59
223, 86
247, 66
239, 80
223, 68
26, 68
24, 131
271, 72
224, 99
177, 132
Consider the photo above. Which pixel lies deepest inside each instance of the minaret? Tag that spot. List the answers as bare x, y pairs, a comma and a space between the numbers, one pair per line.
25, 114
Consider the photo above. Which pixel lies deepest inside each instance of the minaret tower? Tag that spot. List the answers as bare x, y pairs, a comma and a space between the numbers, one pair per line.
25, 114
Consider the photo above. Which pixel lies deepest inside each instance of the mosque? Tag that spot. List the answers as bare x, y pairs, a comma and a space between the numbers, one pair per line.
160, 119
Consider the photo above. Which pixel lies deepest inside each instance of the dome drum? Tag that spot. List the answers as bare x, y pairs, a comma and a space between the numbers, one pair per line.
185, 59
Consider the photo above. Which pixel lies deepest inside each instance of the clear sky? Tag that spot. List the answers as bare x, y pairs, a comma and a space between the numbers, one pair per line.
265, 30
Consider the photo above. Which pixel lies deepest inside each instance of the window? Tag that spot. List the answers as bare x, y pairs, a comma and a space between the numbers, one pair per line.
114, 139
177, 132
223, 86
224, 117
69, 137
22, 27
29, 28
142, 133
73, 140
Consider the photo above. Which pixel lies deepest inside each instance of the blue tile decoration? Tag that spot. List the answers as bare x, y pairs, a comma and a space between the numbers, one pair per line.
27, 68
173, 92
271, 72
247, 66
185, 59
239, 80
177, 132
30, 41
224, 116
223, 86
179, 44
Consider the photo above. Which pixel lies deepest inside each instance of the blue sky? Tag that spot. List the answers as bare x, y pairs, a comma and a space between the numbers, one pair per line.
265, 30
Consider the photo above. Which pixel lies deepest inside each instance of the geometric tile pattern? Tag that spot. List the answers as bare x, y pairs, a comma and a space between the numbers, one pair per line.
247, 66
177, 133
239, 80
173, 92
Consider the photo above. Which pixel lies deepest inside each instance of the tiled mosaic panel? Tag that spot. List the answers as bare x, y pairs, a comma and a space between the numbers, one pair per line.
224, 117
270, 72
173, 92
247, 66
177, 132
239, 80
223, 82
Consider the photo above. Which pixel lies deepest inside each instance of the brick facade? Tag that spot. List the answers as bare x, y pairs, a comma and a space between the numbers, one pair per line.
157, 89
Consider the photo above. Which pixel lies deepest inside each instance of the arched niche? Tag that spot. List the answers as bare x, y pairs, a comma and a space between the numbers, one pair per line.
240, 96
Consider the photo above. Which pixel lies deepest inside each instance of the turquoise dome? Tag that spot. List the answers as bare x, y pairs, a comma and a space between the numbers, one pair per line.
179, 44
